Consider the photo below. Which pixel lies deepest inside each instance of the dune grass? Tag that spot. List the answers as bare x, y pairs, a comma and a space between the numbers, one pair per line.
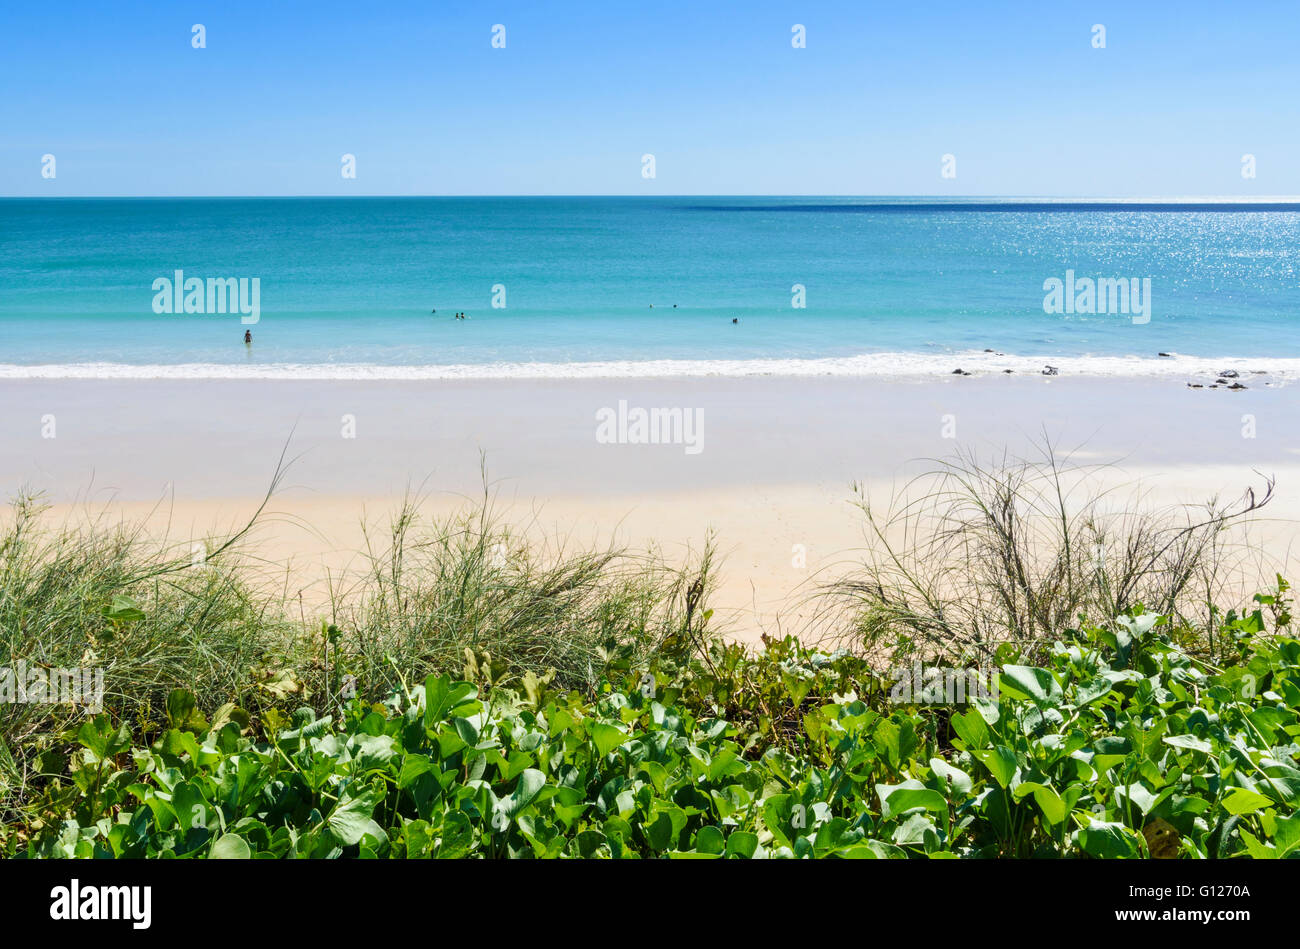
975, 553
464, 594
201, 625
469, 591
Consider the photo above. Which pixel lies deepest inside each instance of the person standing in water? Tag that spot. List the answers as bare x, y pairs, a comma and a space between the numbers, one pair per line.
248, 337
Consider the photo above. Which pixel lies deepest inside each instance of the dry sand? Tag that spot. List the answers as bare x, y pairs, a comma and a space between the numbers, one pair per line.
772, 483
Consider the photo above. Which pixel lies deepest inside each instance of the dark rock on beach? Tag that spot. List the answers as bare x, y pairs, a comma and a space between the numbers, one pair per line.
960, 372
1051, 371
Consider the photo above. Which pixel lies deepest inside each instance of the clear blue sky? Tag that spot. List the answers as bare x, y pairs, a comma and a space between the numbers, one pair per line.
715, 91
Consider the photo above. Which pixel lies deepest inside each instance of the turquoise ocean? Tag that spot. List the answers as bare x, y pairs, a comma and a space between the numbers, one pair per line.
347, 287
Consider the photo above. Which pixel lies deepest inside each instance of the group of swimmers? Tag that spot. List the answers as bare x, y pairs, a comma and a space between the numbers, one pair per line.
675, 306
248, 334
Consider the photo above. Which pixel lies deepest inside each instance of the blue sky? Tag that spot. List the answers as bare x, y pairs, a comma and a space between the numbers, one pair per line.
1014, 90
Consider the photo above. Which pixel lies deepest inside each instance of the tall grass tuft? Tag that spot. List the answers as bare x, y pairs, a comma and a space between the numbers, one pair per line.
463, 594
972, 554
469, 591
97, 595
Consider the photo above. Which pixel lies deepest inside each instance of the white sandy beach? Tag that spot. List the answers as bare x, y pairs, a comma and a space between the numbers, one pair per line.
771, 478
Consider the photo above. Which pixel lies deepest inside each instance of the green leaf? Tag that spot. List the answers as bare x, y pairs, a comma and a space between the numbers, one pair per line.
885, 851
373, 752
1049, 802
230, 712
412, 767
531, 781
456, 836
466, 730
896, 738
101, 739
231, 847
606, 736
971, 728
183, 712
123, 609
1092, 691
955, 779
1283, 780
443, 696
1001, 762
1030, 682
350, 821
917, 830
1107, 840
1190, 742
898, 800
1257, 849
709, 839
1241, 801
659, 832
742, 843
1137, 795
1287, 838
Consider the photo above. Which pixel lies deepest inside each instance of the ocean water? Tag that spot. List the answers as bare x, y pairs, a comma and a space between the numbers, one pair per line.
641, 286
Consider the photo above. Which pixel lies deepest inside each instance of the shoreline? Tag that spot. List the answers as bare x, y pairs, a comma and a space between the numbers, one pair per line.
880, 367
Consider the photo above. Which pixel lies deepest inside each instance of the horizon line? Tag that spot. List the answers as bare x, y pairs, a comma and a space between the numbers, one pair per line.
938, 198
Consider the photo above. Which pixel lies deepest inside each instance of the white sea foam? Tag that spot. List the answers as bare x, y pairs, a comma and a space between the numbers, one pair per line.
889, 366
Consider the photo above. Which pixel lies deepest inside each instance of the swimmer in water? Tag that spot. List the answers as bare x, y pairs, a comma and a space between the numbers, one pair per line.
734, 320
248, 337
